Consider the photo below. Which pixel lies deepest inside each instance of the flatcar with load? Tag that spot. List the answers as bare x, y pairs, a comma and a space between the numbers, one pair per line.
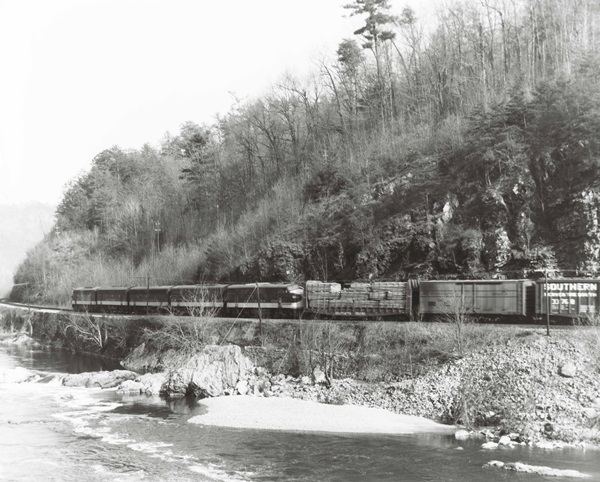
367, 300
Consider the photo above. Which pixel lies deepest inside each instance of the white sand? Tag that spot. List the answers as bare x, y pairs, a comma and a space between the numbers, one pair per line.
290, 414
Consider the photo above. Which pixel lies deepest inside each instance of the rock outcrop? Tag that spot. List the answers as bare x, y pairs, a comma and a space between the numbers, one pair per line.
145, 360
108, 379
213, 372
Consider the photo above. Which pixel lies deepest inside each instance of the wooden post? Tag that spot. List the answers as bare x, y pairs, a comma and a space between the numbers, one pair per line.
547, 303
259, 311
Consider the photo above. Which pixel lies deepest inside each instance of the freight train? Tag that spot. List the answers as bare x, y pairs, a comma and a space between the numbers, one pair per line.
497, 300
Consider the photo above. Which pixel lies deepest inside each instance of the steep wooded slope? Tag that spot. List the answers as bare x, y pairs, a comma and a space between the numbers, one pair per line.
472, 151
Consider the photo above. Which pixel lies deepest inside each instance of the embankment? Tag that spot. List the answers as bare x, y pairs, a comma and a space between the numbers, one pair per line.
494, 380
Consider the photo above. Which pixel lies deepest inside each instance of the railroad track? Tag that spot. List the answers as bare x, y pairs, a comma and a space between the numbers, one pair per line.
54, 309
41, 309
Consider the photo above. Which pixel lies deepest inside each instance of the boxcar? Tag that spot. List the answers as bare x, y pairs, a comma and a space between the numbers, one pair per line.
196, 299
84, 299
567, 298
112, 300
144, 299
491, 298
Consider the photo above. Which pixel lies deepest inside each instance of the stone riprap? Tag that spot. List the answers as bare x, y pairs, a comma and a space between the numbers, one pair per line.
537, 389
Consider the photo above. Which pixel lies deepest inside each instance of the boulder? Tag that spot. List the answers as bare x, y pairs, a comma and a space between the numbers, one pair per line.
152, 382
504, 440
590, 413
261, 387
462, 435
536, 469
490, 445
242, 387
108, 379
149, 384
305, 381
213, 372
131, 386
176, 384
568, 370
319, 376
17, 375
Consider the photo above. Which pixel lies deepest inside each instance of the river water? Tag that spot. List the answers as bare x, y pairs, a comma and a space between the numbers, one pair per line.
53, 433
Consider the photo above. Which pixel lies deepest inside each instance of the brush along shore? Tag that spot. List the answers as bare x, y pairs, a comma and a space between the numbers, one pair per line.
525, 387
509, 383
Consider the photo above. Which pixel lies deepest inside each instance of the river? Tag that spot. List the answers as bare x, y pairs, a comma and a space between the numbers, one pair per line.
49, 432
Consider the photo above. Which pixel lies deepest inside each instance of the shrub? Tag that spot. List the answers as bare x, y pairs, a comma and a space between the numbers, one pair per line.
329, 181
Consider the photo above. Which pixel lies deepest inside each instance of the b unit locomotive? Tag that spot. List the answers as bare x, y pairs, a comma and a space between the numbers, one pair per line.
510, 300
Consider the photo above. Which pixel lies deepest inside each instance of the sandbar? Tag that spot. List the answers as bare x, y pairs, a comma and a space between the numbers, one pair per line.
289, 414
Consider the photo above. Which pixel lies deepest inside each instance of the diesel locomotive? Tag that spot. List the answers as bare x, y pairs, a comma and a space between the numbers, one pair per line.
497, 300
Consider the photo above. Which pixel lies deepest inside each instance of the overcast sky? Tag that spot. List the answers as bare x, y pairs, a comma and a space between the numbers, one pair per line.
80, 76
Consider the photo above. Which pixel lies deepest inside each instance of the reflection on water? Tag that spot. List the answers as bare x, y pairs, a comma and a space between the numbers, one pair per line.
57, 360
157, 407
51, 432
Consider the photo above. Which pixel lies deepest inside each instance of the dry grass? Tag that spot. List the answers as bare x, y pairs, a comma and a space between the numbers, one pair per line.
590, 333
370, 351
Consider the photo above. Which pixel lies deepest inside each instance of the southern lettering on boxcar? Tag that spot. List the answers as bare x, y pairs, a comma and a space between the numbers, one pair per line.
567, 297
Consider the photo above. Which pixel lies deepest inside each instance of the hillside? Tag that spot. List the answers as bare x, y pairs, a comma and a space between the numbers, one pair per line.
471, 150
23, 226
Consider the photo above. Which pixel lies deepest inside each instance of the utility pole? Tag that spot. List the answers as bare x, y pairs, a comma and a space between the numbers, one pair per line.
147, 292
157, 232
547, 302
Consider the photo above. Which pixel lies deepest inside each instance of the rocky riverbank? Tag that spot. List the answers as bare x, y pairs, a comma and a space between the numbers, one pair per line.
531, 389
528, 389
536, 389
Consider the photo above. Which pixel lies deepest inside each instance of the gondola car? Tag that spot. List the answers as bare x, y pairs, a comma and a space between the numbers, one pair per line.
264, 299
